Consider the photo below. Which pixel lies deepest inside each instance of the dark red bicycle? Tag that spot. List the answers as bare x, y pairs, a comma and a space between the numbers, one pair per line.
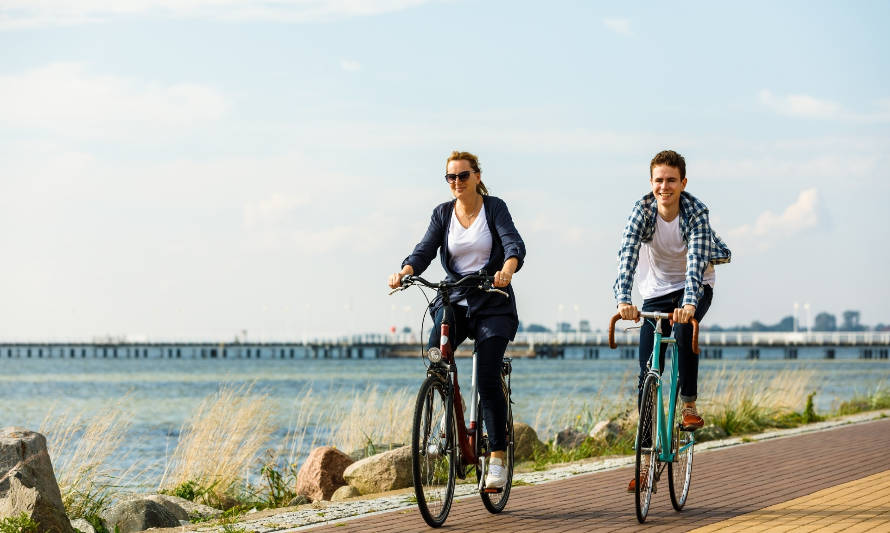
443, 447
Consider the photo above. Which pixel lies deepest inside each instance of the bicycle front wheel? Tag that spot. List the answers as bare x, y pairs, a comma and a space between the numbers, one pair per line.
433, 451
680, 469
496, 501
647, 445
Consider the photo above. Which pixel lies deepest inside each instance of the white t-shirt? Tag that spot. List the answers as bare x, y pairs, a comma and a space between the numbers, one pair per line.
470, 248
663, 261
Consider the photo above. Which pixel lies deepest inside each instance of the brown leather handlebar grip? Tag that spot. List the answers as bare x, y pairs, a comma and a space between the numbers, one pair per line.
612, 322
617, 317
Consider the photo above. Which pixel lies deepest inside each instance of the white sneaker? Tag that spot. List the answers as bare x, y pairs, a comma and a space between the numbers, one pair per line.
497, 474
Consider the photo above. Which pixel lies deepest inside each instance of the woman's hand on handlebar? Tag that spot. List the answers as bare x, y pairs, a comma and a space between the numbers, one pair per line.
504, 276
683, 314
628, 312
395, 280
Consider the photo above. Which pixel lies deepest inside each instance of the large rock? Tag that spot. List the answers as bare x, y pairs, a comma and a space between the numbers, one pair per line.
605, 430
182, 509
83, 526
378, 473
138, 515
525, 441
27, 481
345, 492
570, 438
710, 432
322, 473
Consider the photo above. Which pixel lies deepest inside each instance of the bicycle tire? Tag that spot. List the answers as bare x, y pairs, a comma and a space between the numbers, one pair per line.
646, 427
433, 451
680, 469
496, 502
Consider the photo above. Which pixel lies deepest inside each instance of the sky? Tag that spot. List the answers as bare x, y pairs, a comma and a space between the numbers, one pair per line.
197, 169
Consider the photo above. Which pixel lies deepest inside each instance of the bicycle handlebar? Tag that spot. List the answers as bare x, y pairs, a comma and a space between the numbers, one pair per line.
486, 283
646, 314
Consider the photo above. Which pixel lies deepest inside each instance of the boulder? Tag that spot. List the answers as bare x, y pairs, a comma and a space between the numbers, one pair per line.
322, 473
182, 509
570, 438
134, 515
525, 441
299, 499
605, 430
82, 525
27, 481
373, 449
378, 473
345, 492
710, 432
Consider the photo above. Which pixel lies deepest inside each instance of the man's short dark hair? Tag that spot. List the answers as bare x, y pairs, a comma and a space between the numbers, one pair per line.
671, 159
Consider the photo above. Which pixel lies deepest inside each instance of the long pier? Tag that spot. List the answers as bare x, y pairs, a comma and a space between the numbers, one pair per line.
715, 345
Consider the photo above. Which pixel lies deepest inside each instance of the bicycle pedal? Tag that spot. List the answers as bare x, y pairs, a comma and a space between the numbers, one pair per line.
487, 490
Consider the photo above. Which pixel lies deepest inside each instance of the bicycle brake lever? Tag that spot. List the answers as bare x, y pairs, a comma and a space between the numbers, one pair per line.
492, 289
632, 327
397, 289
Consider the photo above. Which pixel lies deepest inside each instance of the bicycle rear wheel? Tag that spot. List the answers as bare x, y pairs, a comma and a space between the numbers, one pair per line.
433, 451
647, 445
495, 502
680, 470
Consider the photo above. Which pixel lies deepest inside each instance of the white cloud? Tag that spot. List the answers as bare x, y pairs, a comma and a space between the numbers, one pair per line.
618, 25
21, 14
350, 66
770, 229
806, 106
65, 96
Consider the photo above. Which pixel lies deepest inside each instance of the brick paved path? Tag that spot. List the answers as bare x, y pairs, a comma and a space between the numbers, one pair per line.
726, 483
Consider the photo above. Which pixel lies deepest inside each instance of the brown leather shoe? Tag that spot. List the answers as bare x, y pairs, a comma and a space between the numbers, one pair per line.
691, 418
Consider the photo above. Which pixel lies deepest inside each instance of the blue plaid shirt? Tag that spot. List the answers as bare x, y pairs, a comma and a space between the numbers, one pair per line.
704, 247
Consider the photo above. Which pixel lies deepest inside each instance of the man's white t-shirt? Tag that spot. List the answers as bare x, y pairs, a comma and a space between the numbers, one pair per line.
470, 248
663, 261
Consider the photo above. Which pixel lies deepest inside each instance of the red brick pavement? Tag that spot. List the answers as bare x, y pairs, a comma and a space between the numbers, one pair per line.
726, 482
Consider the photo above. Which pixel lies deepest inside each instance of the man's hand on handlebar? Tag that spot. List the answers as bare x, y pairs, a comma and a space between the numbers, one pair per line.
683, 314
629, 312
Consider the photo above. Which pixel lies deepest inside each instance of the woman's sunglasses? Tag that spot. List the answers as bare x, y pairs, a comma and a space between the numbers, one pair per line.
462, 176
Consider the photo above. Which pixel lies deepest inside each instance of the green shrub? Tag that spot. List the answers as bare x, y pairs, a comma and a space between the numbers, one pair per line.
18, 524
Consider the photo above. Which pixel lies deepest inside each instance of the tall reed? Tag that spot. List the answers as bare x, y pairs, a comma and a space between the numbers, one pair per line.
80, 448
373, 417
220, 443
745, 401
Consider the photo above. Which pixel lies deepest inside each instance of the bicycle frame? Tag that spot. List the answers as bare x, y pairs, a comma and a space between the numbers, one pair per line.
466, 435
663, 427
665, 422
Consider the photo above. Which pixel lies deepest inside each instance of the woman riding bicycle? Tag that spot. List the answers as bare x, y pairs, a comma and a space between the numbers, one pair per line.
475, 232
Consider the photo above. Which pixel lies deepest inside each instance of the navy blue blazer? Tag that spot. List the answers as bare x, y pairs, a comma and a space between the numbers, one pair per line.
505, 243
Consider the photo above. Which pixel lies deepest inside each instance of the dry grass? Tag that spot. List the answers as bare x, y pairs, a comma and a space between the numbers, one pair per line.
748, 400
373, 417
80, 449
219, 445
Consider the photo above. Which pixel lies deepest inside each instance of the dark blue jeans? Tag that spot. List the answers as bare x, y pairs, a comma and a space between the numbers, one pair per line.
688, 361
489, 361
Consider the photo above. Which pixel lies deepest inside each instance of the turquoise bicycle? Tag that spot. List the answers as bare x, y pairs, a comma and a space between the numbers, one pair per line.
661, 440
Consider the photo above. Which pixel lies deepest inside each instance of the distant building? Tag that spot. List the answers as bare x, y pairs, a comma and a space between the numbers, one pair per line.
537, 328
851, 321
584, 326
825, 322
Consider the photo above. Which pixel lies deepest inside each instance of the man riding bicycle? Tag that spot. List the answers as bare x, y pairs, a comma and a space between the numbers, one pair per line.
668, 233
